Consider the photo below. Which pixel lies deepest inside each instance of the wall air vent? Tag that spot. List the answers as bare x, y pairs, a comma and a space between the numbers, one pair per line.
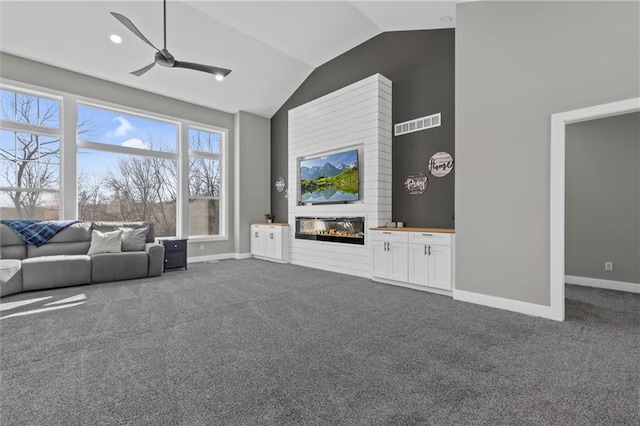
417, 124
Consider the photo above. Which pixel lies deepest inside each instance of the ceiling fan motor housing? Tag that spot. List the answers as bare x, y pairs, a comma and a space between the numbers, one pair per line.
165, 58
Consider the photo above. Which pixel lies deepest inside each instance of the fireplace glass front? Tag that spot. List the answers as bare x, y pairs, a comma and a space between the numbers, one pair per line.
349, 230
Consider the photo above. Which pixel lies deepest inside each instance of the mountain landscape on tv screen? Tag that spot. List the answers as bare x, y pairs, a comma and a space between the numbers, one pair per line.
330, 178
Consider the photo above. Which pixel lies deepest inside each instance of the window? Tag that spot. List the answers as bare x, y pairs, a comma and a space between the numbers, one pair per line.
127, 168
205, 182
122, 165
29, 156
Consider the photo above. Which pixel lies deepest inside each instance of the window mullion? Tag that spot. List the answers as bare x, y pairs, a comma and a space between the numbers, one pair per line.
68, 160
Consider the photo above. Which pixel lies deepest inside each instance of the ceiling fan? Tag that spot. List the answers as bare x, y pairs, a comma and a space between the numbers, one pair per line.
163, 57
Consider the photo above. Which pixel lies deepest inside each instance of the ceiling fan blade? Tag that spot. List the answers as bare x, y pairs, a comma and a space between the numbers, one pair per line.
143, 70
204, 68
127, 23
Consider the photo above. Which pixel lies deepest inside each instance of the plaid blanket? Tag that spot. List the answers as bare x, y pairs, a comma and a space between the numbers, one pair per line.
37, 232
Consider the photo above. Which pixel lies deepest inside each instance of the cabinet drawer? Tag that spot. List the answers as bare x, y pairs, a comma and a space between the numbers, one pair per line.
430, 238
391, 236
175, 245
275, 230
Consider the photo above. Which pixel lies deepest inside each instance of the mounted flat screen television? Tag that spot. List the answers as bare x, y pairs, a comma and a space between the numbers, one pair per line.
331, 178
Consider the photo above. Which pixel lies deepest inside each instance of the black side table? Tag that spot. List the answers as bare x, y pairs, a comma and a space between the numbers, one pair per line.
175, 253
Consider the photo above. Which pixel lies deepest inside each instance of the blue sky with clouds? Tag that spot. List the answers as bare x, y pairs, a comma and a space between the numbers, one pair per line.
116, 128
348, 157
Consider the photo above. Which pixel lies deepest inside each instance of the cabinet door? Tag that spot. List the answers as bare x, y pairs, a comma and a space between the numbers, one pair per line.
257, 240
273, 242
418, 264
440, 267
277, 243
379, 259
398, 261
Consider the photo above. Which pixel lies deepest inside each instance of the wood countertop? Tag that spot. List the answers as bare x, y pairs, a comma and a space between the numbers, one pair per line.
409, 229
271, 224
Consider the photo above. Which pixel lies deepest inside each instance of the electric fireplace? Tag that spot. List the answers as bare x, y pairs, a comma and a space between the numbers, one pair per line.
348, 230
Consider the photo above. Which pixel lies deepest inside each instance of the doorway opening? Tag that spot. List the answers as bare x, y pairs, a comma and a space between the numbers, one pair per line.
557, 202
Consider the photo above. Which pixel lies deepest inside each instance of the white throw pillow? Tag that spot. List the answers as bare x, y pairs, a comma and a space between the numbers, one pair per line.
105, 242
134, 239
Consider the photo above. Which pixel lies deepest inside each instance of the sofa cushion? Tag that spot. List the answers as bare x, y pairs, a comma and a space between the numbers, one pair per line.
54, 249
9, 237
134, 239
77, 232
55, 271
13, 247
105, 242
112, 226
119, 266
13, 252
10, 276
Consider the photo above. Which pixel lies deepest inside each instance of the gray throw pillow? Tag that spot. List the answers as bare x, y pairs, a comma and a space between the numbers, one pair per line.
105, 242
134, 239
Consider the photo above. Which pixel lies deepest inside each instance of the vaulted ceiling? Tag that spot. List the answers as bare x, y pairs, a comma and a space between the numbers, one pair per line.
270, 46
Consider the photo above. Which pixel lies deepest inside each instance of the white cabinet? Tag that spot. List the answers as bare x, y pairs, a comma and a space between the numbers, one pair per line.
430, 260
270, 241
258, 241
389, 258
416, 259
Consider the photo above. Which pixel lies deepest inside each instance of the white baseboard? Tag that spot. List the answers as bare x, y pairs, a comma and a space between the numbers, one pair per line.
223, 256
599, 283
412, 286
506, 304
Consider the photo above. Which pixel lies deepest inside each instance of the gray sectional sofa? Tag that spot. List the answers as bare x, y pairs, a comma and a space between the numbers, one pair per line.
66, 259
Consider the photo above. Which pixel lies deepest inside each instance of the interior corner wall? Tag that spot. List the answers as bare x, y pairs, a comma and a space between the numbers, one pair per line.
602, 195
517, 63
252, 144
29, 72
420, 65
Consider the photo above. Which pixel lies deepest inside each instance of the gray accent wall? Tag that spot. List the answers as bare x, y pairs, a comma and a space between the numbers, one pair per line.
603, 198
517, 63
420, 65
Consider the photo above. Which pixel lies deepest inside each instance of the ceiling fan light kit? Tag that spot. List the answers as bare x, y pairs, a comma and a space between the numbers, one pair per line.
163, 57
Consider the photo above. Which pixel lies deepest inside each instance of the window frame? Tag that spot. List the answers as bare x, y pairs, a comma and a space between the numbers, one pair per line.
223, 159
70, 144
40, 130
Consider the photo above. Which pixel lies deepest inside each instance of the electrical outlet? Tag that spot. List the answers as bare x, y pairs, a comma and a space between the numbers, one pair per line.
608, 266
201, 246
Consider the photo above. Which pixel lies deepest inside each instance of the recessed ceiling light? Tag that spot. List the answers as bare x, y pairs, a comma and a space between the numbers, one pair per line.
219, 77
116, 38
446, 19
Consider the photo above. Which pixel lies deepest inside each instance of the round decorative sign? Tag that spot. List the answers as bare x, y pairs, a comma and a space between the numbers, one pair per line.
441, 164
416, 183
280, 184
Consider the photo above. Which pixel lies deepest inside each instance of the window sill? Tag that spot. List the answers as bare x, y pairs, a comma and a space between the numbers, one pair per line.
206, 238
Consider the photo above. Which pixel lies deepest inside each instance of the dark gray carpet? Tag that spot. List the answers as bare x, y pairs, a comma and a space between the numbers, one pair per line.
256, 343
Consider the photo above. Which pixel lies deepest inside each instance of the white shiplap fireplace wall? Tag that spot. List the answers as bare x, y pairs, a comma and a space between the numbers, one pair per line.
355, 117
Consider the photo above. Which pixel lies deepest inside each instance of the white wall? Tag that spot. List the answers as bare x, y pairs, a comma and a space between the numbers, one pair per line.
516, 64
357, 116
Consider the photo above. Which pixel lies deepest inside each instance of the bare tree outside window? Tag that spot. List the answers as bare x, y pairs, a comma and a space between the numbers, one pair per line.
204, 182
113, 183
30, 159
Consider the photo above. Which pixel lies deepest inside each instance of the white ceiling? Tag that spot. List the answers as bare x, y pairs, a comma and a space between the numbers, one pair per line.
270, 46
